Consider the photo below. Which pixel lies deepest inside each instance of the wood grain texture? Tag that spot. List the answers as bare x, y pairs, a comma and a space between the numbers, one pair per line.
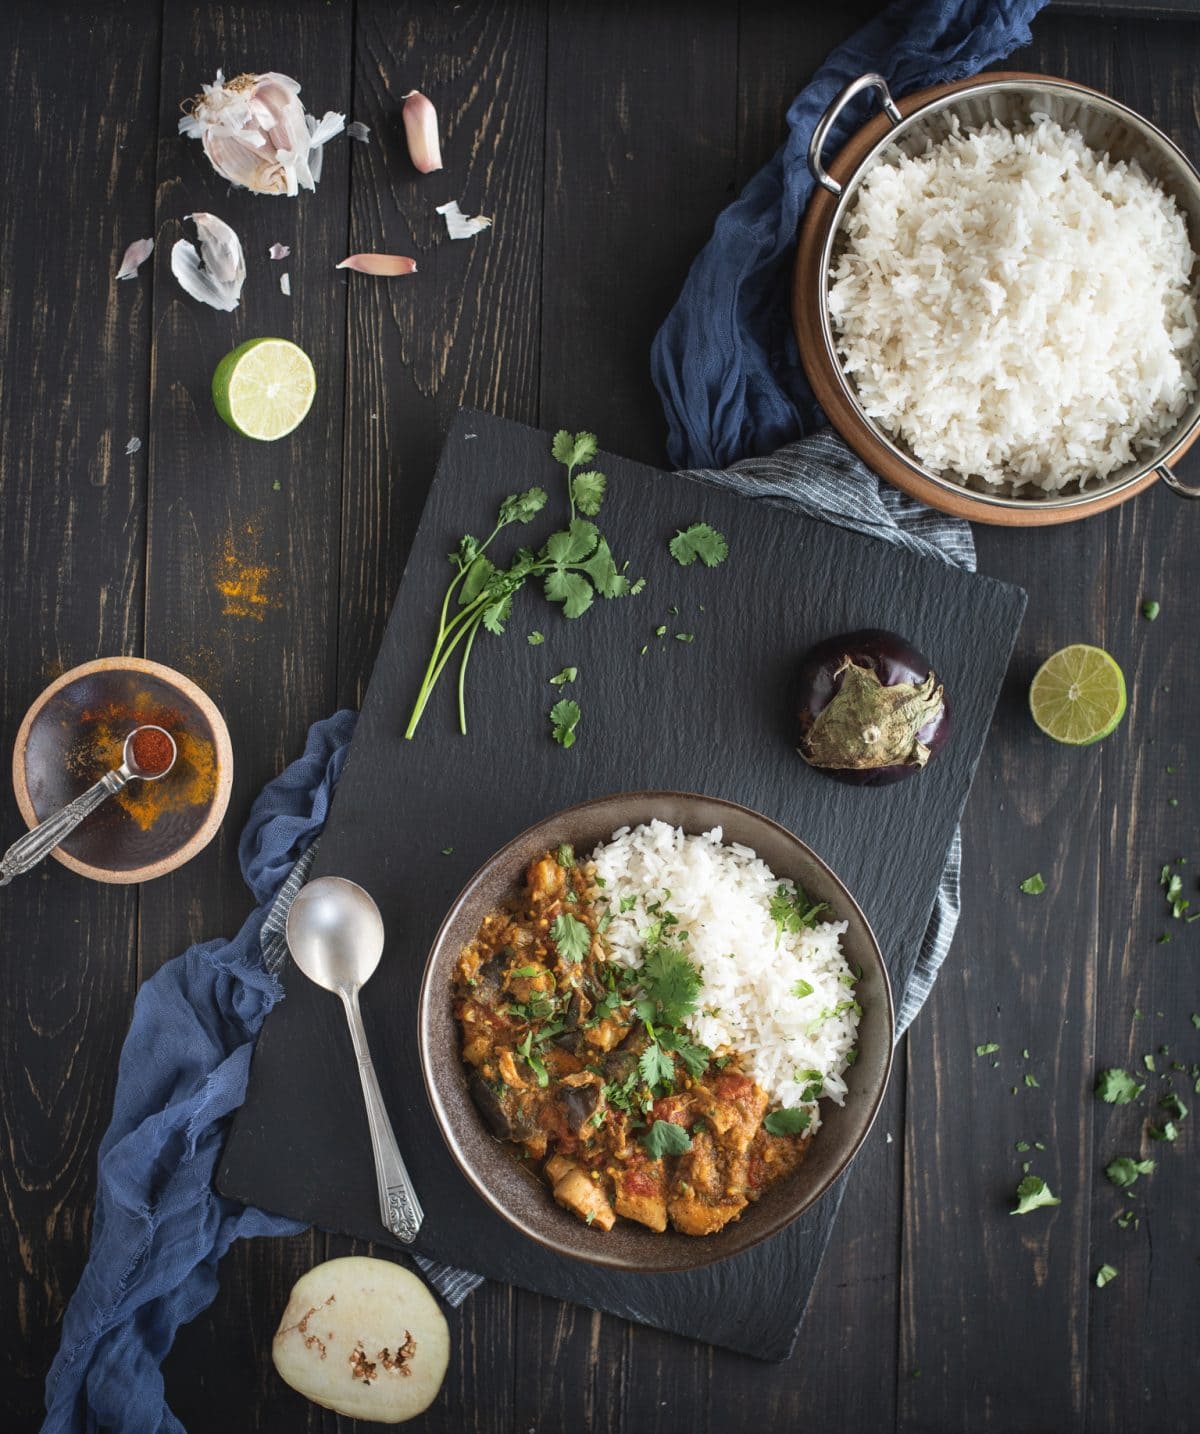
465, 328
77, 170
224, 508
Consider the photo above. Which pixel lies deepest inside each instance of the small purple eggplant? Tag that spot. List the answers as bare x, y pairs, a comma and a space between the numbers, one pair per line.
870, 707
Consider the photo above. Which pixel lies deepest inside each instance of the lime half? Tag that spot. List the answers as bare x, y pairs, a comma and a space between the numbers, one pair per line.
1078, 695
264, 388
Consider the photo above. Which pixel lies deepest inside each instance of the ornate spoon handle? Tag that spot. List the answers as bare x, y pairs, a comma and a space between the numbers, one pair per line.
28, 850
399, 1208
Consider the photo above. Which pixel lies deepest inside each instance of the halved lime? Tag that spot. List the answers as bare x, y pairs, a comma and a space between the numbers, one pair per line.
264, 388
1078, 695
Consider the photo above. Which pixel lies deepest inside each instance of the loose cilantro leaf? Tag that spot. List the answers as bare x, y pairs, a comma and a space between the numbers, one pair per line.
1104, 1275
1117, 1087
694, 1057
988, 1049
568, 674
1032, 1194
671, 984
570, 936
1124, 1171
699, 541
564, 717
1033, 885
788, 1121
588, 491
655, 1066
564, 854
572, 449
813, 1082
802, 989
535, 638
666, 1138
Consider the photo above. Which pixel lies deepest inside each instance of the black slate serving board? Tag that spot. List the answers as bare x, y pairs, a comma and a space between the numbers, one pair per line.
709, 715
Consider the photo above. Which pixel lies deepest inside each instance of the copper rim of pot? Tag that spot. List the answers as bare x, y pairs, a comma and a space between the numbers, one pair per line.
1104, 124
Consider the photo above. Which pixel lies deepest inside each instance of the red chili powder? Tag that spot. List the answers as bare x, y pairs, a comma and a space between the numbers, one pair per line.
153, 750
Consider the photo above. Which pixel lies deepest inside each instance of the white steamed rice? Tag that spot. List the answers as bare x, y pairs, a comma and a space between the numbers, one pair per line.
1018, 308
721, 895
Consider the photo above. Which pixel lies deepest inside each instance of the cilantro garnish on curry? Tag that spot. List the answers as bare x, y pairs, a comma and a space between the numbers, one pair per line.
587, 1066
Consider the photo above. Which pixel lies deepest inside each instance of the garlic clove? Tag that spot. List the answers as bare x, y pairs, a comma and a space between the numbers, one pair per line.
135, 256
387, 265
421, 131
458, 226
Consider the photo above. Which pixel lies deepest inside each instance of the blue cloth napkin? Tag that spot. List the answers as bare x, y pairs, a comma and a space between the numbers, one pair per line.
160, 1228
725, 361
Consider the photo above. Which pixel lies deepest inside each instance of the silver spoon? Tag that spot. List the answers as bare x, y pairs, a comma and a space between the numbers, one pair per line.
335, 935
28, 850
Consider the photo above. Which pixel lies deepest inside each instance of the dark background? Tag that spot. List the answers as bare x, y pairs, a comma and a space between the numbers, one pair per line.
604, 139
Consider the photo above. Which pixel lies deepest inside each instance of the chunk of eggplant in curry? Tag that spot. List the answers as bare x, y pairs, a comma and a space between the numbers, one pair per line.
561, 1066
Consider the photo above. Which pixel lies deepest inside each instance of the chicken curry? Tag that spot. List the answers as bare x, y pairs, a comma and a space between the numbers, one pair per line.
587, 1066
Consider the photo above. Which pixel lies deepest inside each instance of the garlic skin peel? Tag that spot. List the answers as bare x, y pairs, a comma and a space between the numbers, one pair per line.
215, 274
256, 133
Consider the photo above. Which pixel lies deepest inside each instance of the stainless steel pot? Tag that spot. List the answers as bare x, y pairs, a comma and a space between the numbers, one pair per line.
1106, 126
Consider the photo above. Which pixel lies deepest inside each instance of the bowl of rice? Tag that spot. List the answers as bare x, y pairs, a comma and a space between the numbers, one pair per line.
807, 1007
997, 297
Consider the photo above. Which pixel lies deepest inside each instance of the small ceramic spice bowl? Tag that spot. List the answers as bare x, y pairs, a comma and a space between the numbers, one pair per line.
74, 733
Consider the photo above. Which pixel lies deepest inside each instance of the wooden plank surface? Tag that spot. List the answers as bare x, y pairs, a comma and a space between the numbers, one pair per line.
78, 176
533, 96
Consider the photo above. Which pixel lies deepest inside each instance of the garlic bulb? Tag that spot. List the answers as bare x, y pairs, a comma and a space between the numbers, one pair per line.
256, 134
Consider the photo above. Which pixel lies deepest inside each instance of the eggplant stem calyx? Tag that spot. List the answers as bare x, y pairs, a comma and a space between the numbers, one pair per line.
867, 724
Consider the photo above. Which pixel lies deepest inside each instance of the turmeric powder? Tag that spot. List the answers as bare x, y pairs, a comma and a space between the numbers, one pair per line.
100, 748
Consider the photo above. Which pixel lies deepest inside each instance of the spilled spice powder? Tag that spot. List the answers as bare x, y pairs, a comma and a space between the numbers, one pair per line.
245, 586
100, 748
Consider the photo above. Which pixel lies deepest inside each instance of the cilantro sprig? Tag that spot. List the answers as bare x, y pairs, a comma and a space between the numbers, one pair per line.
573, 565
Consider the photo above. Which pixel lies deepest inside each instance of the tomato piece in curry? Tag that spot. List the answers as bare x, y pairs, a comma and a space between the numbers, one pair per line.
622, 1117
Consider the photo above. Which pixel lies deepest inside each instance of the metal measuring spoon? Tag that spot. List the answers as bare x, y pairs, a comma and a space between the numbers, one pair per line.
28, 850
335, 935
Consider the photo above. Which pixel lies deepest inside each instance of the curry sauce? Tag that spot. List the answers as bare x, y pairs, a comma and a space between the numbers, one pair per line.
574, 1062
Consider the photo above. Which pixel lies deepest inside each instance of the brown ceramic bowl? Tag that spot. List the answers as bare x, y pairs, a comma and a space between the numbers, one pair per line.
58, 755
492, 1168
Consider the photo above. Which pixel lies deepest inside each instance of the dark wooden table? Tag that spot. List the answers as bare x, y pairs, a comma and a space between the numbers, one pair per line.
604, 139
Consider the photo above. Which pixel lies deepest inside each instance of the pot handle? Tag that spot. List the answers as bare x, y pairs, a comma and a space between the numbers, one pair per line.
831, 116
1177, 485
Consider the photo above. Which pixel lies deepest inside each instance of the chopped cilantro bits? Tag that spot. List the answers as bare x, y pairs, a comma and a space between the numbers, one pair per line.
1117, 1087
1150, 609
792, 912
1173, 1106
989, 1048
1032, 1194
535, 638
1124, 1171
568, 674
1168, 1130
1031, 1080
699, 541
1105, 1275
685, 637
1033, 885
801, 989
